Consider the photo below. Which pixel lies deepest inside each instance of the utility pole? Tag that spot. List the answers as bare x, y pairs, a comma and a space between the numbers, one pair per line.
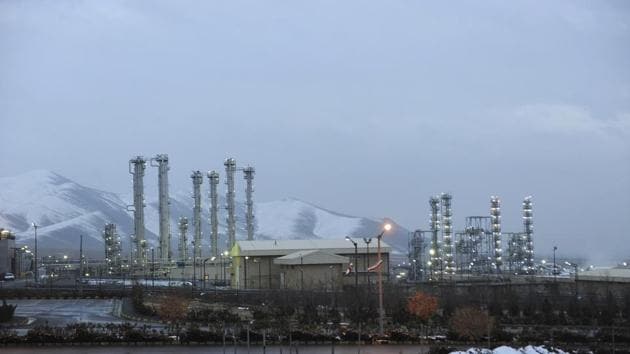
36, 267
80, 265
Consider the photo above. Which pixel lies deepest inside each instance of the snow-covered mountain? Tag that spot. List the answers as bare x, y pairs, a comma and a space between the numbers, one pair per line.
63, 210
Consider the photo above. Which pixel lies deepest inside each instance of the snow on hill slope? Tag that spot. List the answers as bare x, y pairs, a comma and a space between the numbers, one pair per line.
64, 210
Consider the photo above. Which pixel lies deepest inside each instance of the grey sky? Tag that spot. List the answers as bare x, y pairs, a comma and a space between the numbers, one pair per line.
363, 107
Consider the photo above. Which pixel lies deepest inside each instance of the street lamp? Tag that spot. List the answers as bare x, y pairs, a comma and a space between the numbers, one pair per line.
36, 268
555, 272
367, 260
245, 271
204, 271
575, 266
356, 262
381, 312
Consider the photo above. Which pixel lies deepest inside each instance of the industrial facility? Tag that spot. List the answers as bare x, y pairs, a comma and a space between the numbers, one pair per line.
477, 250
192, 259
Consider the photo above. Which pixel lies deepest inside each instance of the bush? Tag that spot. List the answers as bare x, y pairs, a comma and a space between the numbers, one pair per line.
6, 311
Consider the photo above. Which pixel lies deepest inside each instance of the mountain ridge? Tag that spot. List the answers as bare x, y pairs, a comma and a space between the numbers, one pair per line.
64, 210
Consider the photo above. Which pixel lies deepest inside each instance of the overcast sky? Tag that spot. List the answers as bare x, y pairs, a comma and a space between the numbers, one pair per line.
362, 107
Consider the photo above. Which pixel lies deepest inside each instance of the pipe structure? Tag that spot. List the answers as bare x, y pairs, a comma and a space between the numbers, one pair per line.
447, 234
528, 225
183, 239
197, 179
113, 248
213, 178
230, 170
495, 215
434, 251
248, 174
165, 254
139, 166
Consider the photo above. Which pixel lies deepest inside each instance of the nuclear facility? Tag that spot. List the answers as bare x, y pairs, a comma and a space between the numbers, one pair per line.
189, 255
480, 249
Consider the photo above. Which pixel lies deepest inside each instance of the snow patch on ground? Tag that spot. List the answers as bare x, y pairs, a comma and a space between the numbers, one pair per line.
509, 350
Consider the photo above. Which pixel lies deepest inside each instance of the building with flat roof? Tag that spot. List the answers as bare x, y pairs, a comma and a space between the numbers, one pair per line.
305, 264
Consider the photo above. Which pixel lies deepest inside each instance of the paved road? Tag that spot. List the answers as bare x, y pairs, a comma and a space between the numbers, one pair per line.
62, 312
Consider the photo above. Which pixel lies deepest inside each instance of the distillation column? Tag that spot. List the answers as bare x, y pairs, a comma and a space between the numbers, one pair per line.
447, 234
434, 251
183, 239
139, 165
197, 179
213, 178
495, 219
164, 211
230, 170
528, 224
113, 249
249, 190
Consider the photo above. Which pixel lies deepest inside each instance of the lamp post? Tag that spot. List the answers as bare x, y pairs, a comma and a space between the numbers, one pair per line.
36, 267
356, 262
152, 268
223, 265
555, 272
381, 312
575, 266
256, 260
367, 260
245, 271
204, 271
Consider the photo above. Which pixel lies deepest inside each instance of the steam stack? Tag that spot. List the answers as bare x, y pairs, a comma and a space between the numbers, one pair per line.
139, 165
230, 170
447, 234
164, 211
197, 179
213, 178
528, 224
434, 251
495, 218
249, 190
183, 239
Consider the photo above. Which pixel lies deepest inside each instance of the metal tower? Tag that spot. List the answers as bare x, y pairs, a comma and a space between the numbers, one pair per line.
197, 179
495, 215
213, 178
183, 239
528, 224
447, 234
113, 249
434, 251
417, 255
230, 170
139, 165
249, 190
164, 212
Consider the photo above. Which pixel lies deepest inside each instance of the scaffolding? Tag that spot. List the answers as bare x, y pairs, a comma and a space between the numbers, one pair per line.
113, 249
474, 247
418, 251
516, 252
